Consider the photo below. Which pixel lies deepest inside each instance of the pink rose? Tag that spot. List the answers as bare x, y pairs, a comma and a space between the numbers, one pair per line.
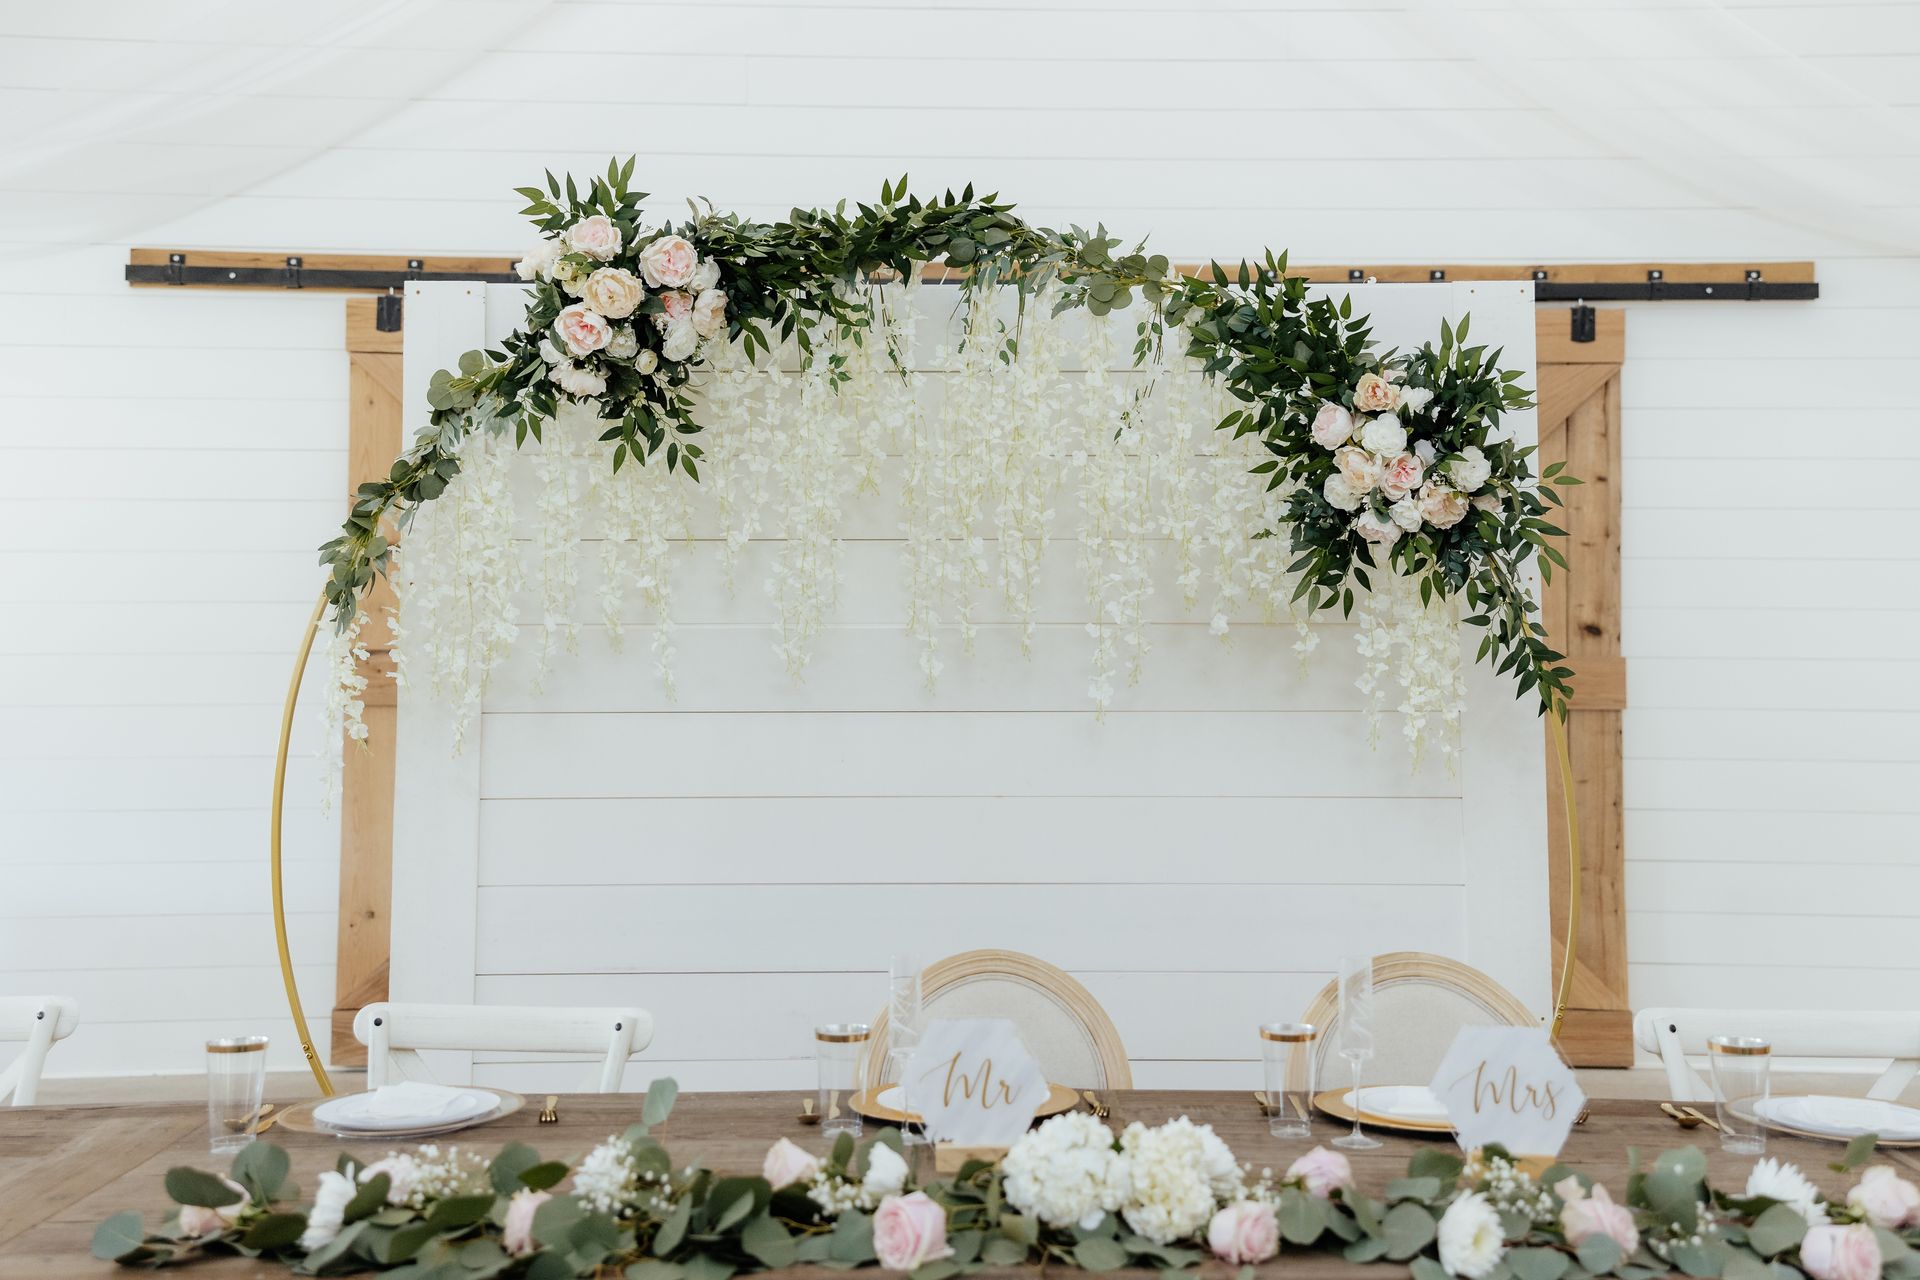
596, 237
1841, 1253
787, 1163
583, 329
1382, 533
1332, 426
1442, 507
1401, 476
1598, 1215
198, 1220
1887, 1199
677, 304
1361, 469
909, 1231
516, 1233
1244, 1232
669, 262
1321, 1172
1374, 394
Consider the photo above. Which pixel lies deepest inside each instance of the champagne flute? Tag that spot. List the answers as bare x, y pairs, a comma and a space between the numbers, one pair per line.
905, 1021
1355, 1039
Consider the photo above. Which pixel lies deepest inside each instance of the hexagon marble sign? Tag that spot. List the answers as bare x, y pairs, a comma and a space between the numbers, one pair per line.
1508, 1085
974, 1083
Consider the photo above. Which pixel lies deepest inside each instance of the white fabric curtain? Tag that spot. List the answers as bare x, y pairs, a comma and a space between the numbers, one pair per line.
163, 109
1736, 103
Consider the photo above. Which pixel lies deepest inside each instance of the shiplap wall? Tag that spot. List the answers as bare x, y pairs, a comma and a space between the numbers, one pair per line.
171, 459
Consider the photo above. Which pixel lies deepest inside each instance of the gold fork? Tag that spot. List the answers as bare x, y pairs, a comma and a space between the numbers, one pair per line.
550, 1113
1100, 1109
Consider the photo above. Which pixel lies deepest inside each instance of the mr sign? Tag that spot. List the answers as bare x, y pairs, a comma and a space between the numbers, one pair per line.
973, 1082
1508, 1085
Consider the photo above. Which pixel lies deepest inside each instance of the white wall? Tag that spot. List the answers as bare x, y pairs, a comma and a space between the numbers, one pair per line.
165, 489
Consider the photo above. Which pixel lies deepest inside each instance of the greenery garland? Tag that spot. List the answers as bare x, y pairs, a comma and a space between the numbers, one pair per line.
618, 313
633, 1211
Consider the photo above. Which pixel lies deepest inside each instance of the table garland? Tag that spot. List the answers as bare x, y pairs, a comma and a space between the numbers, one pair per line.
1376, 461
1068, 1193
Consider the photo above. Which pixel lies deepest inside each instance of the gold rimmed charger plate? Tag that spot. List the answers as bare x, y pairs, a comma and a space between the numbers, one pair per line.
1746, 1112
299, 1118
867, 1102
1333, 1102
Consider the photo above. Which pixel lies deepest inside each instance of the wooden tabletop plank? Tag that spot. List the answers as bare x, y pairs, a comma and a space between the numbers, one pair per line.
86, 1163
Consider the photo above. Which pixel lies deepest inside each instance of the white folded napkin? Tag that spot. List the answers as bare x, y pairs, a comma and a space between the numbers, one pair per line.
414, 1099
1843, 1117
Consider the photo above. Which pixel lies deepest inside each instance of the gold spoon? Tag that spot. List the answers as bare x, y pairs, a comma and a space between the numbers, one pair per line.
1680, 1117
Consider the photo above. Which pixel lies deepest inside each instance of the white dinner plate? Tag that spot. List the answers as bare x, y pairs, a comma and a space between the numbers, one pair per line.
353, 1112
1836, 1117
1399, 1102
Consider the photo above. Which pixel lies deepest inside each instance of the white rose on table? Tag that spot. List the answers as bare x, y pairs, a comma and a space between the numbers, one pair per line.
614, 292
709, 314
1332, 426
682, 340
1442, 507
705, 276
1384, 435
578, 382
668, 262
582, 329
1406, 514
1361, 468
1469, 470
624, 344
1401, 475
787, 1163
596, 237
1382, 533
1374, 394
538, 264
1340, 493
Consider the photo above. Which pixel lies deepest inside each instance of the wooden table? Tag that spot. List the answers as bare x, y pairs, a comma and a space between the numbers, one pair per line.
63, 1170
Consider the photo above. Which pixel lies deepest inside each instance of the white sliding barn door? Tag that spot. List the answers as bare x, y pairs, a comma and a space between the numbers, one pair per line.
741, 860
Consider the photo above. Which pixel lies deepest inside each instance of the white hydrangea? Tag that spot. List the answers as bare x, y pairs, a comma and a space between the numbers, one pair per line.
1062, 1172
1170, 1179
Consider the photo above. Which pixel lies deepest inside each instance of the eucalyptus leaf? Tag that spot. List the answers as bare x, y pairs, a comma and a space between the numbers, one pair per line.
120, 1236
1407, 1228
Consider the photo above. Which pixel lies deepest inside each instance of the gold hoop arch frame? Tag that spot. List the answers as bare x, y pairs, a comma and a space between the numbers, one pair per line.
1555, 726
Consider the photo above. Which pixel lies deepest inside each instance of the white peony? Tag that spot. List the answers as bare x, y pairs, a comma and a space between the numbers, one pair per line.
1469, 470
1339, 492
1776, 1180
1332, 426
682, 339
1362, 469
668, 262
1471, 1241
1406, 514
1424, 450
550, 353
1414, 399
329, 1212
710, 313
1487, 502
886, 1173
575, 381
1170, 1179
705, 276
624, 344
1061, 1172
614, 292
538, 264
1384, 435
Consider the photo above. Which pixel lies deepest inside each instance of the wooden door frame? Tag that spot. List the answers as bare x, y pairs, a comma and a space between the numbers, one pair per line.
1579, 423
1579, 420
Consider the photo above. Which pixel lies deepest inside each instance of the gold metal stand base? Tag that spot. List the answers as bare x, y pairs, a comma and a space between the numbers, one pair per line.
279, 897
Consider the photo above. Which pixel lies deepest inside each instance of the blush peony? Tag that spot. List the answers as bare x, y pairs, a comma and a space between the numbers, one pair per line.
1442, 507
596, 237
709, 314
1401, 475
1374, 394
614, 292
1332, 426
1887, 1199
1841, 1253
1361, 468
582, 329
1321, 1172
1596, 1215
1243, 1233
668, 262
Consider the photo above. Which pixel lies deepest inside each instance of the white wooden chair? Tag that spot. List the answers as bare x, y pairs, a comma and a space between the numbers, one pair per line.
1060, 1022
38, 1020
1798, 1033
1420, 1002
395, 1032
